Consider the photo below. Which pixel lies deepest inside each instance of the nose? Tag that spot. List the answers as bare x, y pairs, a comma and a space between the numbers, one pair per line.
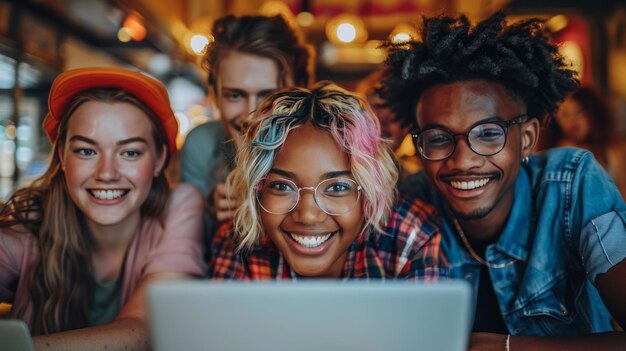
463, 158
107, 168
307, 211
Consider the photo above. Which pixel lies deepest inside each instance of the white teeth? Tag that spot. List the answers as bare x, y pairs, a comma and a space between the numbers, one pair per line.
107, 194
472, 184
310, 240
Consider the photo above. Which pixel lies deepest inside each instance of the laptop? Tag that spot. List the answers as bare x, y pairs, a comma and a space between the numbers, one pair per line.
309, 316
14, 336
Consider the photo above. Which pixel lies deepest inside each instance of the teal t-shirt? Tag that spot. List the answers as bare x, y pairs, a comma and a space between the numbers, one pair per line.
105, 302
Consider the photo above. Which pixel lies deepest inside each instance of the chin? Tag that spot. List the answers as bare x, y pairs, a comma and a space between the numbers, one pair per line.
107, 219
310, 271
476, 213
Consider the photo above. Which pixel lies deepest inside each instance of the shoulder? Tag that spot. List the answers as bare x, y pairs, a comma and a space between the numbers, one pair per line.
408, 214
410, 242
210, 132
184, 197
576, 168
411, 227
183, 216
225, 262
414, 184
224, 237
173, 243
560, 163
17, 235
417, 186
15, 244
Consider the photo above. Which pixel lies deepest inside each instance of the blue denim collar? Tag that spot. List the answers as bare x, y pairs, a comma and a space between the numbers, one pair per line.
515, 238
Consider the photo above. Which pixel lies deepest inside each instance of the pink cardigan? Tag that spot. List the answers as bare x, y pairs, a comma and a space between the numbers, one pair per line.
177, 247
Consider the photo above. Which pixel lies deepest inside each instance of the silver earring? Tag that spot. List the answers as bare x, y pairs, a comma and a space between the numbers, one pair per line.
525, 159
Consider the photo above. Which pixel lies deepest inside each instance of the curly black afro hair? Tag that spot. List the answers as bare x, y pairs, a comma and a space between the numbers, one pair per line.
518, 56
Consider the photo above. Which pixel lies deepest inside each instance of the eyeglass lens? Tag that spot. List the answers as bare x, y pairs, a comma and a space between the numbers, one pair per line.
335, 196
485, 139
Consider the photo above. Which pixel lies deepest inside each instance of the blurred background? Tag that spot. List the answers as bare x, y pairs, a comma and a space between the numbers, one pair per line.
41, 38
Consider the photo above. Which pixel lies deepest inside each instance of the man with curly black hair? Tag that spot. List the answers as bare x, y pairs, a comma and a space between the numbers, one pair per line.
541, 238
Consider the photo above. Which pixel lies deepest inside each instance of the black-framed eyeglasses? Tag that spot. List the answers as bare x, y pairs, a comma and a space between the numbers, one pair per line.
485, 138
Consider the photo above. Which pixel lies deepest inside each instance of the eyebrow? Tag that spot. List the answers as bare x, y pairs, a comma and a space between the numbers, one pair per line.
260, 92
485, 120
267, 91
121, 142
327, 175
228, 88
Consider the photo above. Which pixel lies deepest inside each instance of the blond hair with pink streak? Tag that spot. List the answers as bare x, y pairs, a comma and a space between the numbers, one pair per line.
353, 126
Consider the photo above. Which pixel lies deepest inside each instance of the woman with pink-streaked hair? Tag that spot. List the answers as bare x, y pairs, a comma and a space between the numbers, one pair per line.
316, 187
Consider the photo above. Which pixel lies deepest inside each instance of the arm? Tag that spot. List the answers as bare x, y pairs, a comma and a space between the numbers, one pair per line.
178, 254
202, 165
601, 245
12, 250
495, 342
129, 331
610, 280
199, 156
612, 288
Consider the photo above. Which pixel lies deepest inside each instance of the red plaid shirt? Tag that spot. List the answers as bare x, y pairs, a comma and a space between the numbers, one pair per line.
407, 249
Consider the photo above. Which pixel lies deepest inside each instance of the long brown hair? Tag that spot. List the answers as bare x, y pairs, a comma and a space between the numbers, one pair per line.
60, 280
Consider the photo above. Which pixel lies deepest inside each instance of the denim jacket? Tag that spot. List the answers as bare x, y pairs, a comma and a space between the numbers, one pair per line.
566, 226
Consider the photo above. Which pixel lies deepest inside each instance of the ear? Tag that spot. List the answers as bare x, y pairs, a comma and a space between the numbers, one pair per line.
530, 136
158, 166
61, 155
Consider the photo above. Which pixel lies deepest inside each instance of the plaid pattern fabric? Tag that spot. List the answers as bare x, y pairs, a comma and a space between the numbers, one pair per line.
408, 248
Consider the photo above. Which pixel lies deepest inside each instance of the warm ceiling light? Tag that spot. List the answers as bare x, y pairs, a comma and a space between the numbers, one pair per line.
346, 28
305, 19
198, 43
275, 8
123, 35
401, 37
572, 52
135, 27
557, 23
403, 32
346, 32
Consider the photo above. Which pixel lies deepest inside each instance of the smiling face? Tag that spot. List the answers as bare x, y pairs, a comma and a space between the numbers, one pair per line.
476, 187
314, 243
243, 81
573, 121
109, 158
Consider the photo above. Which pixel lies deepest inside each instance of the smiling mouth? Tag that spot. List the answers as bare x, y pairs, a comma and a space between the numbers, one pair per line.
109, 194
469, 185
310, 240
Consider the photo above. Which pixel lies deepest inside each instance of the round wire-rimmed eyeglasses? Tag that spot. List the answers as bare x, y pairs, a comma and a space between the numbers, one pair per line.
485, 138
334, 196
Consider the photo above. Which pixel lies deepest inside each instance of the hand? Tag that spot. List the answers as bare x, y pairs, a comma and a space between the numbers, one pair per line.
224, 204
487, 342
